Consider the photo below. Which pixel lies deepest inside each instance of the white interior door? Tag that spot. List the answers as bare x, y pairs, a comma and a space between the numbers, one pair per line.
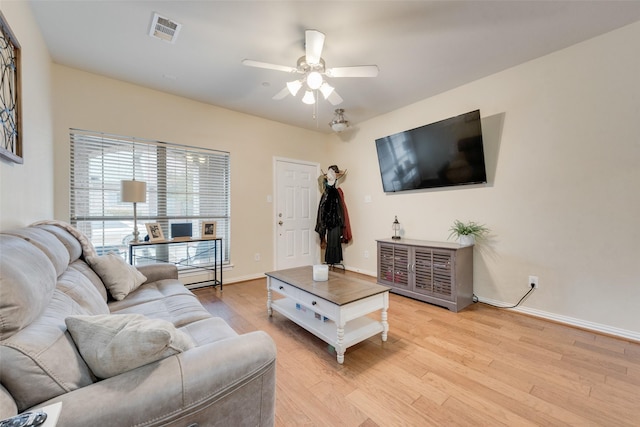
296, 189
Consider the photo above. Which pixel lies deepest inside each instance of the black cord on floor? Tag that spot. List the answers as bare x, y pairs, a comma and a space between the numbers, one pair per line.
475, 299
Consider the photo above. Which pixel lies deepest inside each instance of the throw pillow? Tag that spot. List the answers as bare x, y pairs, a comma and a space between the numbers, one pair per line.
115, 343
118, 276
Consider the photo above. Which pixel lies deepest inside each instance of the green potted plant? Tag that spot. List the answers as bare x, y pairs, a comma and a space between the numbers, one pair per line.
467, 233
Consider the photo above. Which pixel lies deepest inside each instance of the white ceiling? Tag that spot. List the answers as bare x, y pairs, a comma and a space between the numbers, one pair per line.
422, 48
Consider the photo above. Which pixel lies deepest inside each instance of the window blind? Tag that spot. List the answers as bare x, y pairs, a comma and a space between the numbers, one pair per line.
184, 184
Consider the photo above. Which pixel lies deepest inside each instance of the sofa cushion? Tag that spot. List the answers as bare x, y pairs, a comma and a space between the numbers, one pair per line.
90, 278
67, 239
81, 238
118, 276
48, 243
209, 330
79, 288
165, 299
41, 361
8, 407
113, 344
27, 282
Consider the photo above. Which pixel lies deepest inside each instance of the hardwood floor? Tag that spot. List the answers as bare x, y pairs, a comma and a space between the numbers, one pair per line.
481, 366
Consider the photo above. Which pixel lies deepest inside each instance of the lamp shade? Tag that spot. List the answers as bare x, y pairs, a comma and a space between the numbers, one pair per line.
308, 98
133, 191
326, 90
339, 123
294, 87
338, 126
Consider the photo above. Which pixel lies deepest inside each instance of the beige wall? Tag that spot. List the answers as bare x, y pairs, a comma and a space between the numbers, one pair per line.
26, 191
88, 101
562, 146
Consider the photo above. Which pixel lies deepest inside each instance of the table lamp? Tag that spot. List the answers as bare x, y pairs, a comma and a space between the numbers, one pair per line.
135, 192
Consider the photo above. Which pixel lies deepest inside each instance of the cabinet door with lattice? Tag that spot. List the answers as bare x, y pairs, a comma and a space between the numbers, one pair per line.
393, 265
434, 273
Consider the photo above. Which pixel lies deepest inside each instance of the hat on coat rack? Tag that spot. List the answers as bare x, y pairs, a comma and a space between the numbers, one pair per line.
338, 172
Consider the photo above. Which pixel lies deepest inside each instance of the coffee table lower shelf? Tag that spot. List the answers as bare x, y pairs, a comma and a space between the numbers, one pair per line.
355, 330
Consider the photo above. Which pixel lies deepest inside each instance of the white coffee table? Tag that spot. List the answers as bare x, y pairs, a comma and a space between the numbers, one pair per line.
334, 310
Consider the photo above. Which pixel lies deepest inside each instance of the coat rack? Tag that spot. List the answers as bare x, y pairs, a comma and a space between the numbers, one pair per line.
332, 223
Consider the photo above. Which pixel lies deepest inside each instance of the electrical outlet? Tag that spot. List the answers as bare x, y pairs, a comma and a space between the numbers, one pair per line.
366, 254
256, 257
533, 281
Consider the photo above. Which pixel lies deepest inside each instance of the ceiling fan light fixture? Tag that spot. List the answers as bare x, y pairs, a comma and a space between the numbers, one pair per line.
311, 70
314, 80
326, 90
339, 123
308, 98
294, 87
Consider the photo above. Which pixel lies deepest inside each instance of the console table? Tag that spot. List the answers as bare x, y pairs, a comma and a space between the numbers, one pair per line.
439, 273
199, 254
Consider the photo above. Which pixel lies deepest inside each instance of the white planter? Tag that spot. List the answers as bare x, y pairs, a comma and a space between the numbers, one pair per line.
466, 240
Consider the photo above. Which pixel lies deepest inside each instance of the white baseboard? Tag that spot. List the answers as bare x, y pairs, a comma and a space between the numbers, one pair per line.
191, 277
572, 321
361, 271
244, 278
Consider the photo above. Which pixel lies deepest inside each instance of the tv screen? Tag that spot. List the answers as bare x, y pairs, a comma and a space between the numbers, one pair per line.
441, 154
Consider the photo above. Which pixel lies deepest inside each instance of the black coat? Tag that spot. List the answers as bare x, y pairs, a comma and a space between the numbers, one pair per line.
330, 224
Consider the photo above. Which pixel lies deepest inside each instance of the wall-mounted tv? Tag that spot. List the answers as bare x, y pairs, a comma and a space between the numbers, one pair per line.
441, 154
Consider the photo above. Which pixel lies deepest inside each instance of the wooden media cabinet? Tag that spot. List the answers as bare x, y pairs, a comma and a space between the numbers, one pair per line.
439, 273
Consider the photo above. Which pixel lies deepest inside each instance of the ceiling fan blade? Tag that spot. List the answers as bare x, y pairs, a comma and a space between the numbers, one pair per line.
282, 94
258, 64
314, 41
334, 98
356, 71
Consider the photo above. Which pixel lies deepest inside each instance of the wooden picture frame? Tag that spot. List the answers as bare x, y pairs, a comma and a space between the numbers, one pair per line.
208, 230
154, 231
11, 100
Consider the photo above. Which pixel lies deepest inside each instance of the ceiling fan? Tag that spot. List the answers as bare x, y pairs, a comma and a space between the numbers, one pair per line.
312, 68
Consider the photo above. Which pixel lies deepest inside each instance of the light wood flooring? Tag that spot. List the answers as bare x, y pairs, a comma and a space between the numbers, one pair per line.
480, 367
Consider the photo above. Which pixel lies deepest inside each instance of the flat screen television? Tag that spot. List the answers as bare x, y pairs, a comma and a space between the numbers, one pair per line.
441, 154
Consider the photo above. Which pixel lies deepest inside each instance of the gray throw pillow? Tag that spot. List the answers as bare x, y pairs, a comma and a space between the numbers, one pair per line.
116, 343
118, 276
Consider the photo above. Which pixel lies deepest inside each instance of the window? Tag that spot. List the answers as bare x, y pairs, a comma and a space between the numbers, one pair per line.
184, 184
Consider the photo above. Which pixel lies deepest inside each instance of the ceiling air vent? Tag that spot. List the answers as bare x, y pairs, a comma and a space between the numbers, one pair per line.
164, 29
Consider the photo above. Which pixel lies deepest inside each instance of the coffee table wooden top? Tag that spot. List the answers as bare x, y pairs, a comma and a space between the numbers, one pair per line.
339, 289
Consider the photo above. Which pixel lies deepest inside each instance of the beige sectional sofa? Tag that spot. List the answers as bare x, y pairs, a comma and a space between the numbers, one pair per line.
204, 373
